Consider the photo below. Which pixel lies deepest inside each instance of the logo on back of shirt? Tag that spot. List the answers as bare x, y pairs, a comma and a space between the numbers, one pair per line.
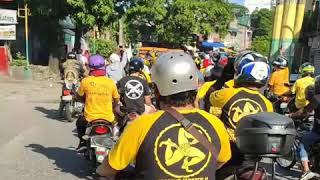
241, 108
179, 154
134, 89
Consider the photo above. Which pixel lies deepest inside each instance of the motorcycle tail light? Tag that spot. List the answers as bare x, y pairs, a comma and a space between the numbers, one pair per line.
66, 92
101, 130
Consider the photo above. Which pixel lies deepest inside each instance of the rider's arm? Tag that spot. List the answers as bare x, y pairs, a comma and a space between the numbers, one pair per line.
147, 94
126, 149
218, 100
106, 170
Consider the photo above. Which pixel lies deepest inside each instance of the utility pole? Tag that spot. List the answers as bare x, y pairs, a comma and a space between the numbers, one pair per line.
28, 73
26, 26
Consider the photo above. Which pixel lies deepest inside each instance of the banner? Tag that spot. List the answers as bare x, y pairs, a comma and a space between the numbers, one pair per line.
8, 16
8, 32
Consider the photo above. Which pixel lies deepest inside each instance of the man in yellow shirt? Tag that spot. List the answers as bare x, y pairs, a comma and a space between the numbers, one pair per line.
307, 72
233, 103
160, 146
100, 94
279, 80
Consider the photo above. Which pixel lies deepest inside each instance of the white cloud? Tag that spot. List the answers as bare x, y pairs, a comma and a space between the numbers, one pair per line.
253, 4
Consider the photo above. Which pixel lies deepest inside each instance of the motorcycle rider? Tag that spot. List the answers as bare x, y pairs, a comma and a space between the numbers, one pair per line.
307, 73
314, 135
100, 94
115, 70
134, 91
160, 146
279, 79
72, 71
233, 103
278, 85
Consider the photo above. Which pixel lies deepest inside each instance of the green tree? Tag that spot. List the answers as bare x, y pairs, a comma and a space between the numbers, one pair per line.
174, 21
261, 23
91, 13
88, 14
239, 10
261, 44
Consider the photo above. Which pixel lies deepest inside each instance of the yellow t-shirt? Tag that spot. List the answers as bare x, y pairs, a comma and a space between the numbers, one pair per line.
202, 70
278, 80
202, 91
232, 104
99, 94
146, 76
299, 88
229, 83
161, 147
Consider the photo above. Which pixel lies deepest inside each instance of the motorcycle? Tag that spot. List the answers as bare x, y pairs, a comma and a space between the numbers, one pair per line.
71, 108
99, 140
289, 161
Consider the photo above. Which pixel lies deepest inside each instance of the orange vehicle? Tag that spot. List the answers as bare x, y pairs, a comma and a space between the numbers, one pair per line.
154, 52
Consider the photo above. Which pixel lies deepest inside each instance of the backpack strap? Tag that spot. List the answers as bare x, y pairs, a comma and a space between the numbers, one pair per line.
190, 128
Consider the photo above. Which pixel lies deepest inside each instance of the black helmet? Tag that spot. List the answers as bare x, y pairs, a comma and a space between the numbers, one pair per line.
71, 55
136, 65
309, 92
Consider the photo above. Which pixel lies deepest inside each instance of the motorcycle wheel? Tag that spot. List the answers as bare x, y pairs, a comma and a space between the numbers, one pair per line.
288, 161
68, 114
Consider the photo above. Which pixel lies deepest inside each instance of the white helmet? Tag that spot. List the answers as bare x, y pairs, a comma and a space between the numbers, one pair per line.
174, 72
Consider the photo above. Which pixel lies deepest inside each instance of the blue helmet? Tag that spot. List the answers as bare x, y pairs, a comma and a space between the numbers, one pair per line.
251, 69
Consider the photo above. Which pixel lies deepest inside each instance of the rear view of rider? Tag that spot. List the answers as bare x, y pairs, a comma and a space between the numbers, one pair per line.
278, 85
100, 94
306, 71
135, 92
160, 146
314, 135
72, 69
279, 79
234, 103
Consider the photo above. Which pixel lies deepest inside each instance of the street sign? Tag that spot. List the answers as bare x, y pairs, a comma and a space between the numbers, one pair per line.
8, 16
8, 32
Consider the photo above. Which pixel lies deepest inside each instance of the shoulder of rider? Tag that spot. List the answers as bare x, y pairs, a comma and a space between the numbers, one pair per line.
219, 97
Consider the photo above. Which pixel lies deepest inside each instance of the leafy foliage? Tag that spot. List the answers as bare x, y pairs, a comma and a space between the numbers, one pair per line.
262, 44
103, 47
19, 60
93, 12
261, 23
239, 10
174, 21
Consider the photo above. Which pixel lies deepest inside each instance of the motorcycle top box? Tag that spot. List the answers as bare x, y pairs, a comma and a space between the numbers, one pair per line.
265, 134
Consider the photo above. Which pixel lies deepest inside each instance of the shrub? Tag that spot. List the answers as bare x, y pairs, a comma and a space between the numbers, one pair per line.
103, 47
19, 60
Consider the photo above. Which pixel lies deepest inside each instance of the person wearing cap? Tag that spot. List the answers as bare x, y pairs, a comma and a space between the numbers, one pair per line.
100, 94
116, 69
159, 145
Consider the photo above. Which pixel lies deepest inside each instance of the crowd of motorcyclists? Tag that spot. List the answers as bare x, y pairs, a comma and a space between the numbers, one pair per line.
213, 91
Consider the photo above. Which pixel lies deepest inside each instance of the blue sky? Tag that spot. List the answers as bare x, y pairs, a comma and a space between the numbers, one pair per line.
237, 1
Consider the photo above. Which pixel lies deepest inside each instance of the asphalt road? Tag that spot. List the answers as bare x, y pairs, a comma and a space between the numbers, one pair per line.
35, 144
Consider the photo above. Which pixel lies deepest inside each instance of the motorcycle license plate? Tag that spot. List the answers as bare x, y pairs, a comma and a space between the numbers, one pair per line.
283, 105
100, 157
67, 98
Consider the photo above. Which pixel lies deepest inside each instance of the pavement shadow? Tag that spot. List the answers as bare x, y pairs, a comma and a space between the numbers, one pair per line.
50, 113
66, 160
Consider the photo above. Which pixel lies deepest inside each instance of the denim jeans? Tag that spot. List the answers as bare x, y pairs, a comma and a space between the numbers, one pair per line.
307, 141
